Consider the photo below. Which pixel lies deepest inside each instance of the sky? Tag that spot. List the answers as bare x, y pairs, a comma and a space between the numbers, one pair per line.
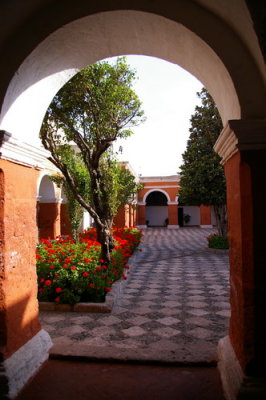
168, 96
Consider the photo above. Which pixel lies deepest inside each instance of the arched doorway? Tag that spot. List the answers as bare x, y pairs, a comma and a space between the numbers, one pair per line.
48, 213
218, 47
156, 209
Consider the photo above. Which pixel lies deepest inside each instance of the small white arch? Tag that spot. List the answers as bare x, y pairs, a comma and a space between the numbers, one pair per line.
156, 190
46, 189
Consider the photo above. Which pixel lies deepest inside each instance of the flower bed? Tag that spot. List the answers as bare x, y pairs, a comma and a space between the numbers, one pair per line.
216, 241
70, 272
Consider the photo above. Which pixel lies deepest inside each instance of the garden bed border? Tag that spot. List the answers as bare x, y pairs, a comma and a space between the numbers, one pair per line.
104, 307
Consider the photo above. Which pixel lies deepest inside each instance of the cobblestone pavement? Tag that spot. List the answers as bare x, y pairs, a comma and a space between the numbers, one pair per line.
174, 306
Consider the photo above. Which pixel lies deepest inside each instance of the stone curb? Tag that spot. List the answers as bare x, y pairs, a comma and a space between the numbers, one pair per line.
104, 307
217, 251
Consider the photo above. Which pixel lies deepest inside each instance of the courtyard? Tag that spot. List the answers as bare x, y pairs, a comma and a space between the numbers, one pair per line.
174, 306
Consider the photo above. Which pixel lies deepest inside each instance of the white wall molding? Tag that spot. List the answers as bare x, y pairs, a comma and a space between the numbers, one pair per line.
13, 149
230, 370
240, 135
160, 186
23, 364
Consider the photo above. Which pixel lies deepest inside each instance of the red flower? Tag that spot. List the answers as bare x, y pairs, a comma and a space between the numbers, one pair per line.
73, 268
101, 261
87, 260
41, 290
38, 257
52, 266
108, 289
42, 280
58, 290
48, 282
51, 251
65, 266
57, 299
85, 273
91, 285
104, 267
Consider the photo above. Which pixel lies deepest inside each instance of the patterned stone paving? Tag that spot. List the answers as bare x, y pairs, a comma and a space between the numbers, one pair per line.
174, 306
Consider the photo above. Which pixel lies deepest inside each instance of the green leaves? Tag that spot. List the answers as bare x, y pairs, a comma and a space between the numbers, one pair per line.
202, 176
87, 115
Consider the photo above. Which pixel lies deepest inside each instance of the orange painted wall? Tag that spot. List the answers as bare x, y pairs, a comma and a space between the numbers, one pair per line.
205, 215
172, 192
49, 220
126, 216
119, 219
141, 215
239, 208
18, 287
172, 214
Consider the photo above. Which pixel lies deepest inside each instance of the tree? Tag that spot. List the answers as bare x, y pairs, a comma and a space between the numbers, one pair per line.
97, 106
202, 176
123, 190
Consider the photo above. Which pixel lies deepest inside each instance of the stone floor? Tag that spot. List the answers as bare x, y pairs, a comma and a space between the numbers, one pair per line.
174, 306
75, 380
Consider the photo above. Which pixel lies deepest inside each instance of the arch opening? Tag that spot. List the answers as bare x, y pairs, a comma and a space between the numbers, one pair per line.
47, 209
54, 62
156, 208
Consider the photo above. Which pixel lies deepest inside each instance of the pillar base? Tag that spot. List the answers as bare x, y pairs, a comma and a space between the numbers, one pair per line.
23, 364
230, 370
173, 226
206, 226
142, 226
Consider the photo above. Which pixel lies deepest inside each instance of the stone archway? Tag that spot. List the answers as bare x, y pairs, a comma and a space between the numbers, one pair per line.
218, 47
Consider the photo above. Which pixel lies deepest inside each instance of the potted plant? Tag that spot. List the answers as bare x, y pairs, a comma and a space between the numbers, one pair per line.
186, 218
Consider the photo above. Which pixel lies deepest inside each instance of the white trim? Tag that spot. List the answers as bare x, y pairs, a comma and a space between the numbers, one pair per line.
206, 226
156, 190
160, 186
173, 226
142, 226
24, 363
170, 178
230, 370
171, 203
240, 135
51, 200
23, 153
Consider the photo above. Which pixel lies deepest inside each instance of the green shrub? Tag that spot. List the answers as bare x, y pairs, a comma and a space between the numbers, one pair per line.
216, 241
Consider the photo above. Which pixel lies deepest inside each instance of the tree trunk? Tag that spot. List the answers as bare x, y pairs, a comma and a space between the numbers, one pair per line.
221, 219
105, 238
